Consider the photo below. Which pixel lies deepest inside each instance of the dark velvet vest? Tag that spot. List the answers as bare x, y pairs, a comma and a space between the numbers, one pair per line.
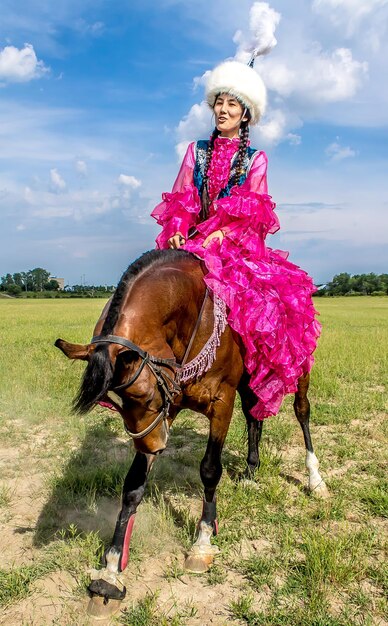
199, 169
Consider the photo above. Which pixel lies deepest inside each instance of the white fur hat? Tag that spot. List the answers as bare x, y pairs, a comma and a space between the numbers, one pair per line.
240, 81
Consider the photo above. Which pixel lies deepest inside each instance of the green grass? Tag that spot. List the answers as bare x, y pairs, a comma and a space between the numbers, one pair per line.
243, 610
286, 557
375, 498
5, 496
258, 570
16, 584
71, 552
146, 613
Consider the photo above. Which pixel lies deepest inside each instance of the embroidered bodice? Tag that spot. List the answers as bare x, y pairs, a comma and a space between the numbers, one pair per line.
221, 172
224, 151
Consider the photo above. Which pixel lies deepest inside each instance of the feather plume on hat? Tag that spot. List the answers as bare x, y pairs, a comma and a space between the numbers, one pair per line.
238, 78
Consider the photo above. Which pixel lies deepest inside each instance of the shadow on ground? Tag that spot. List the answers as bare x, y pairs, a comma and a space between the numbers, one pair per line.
87, 491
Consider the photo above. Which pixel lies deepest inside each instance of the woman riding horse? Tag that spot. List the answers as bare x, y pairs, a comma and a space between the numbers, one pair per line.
160, 316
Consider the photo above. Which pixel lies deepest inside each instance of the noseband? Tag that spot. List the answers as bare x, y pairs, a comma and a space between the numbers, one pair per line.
163, 379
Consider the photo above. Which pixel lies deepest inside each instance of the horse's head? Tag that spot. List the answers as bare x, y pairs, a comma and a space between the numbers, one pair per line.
135, 386
142, 390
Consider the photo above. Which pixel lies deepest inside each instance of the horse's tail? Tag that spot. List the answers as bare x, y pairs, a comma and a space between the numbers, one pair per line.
95, 382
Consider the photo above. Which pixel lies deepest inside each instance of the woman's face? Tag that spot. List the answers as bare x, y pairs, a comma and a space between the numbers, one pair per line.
229, 114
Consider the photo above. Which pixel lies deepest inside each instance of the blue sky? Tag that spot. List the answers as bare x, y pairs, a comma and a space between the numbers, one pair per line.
98, 100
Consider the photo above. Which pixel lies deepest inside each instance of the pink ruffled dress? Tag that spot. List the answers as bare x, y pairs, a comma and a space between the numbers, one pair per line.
269, 299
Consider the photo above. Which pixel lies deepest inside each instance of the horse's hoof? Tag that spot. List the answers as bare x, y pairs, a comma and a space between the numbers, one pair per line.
102, 608
198, 563
321, 491
107, 593
249, 483
200, 558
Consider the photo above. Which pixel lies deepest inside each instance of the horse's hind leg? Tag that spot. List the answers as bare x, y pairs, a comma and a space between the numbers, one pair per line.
302, 411
202, 553
254, 429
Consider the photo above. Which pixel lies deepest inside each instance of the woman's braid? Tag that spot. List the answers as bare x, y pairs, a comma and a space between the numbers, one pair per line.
242, 151
205, 201
239, 169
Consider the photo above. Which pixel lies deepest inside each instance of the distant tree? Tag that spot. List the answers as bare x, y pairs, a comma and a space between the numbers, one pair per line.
340, 284
366, 283
384, 282
363, 284
51, 285
77, 288
6, 282
18, 279
26, 285
38, 277
14, 290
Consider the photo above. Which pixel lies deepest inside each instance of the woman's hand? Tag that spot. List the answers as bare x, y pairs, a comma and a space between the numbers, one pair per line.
218, 234
176, 241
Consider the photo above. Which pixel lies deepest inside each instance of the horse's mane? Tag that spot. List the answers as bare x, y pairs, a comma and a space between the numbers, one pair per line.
146, 260
99, 371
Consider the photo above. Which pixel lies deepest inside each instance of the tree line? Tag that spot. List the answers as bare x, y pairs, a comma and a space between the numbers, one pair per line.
345, 284
38, 282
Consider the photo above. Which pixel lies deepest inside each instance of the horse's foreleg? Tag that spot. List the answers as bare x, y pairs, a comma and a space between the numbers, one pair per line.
106, 581
202, 553
316, 483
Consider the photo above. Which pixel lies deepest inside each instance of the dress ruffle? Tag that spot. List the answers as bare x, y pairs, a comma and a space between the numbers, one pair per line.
243, 214
177, 213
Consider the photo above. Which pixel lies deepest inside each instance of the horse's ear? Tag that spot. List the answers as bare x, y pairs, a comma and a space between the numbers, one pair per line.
74, 350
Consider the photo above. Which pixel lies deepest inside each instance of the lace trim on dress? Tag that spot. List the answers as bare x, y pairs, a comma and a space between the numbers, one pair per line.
205, 359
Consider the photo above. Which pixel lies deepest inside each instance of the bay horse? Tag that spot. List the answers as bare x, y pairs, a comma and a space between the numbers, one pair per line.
159, 315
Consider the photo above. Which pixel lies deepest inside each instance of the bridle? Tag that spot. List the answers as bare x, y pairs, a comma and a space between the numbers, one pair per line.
168, 386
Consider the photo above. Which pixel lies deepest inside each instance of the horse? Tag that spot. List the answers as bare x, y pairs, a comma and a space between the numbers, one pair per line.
161, 315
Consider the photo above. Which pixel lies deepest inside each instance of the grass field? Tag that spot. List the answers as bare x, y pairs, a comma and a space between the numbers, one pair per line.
286, 558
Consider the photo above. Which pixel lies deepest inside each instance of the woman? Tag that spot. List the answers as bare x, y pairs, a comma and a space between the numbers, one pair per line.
220, 210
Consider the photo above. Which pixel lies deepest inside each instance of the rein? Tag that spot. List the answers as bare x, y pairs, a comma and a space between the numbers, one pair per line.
155, 364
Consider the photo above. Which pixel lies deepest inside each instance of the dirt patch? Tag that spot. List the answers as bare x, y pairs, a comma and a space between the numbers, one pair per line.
52, 602
18, 522
104, 515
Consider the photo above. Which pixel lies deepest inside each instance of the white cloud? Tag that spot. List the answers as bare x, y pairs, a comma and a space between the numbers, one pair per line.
314, 76
273, 129
293, 139
347, 224
195, 125
200, 81
57, 182
263, 21
83, 206
81, 168
337, 152
49, 212
85, 28
351, 15
28, 195
20, 65
129, 181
